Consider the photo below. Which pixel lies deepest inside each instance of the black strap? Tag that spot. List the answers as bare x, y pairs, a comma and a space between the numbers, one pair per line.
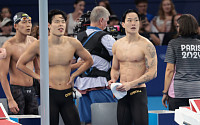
94, 72
93, 44
89, 37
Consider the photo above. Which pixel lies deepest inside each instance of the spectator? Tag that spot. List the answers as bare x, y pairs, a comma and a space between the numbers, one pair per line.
73, 18
1, 18
106, 4
142, 6
35, 32
6, 26
162, 22
182, 58
6, 12
173, 30
145, 30
113, 20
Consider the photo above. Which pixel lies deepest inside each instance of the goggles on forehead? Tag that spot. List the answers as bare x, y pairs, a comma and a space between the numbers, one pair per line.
22, 18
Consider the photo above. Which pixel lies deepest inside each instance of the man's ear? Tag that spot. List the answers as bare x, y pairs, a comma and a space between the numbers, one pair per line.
15, 26
49, 26
123, 25
101, 20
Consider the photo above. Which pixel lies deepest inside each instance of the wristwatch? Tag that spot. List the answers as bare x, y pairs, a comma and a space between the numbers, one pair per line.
164, 93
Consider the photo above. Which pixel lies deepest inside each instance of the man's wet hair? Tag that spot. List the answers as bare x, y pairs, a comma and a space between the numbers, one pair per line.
127, 12
54, 12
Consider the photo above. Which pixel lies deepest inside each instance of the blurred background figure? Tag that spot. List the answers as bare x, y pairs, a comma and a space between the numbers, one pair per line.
106, 4
113, 20
73, 18
162, 22
6, 27
6, 12
173, 30
35, 32
142, 6
1, 19
145, 30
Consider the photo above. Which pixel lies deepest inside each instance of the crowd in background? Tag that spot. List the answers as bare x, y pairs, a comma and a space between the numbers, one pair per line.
159, 29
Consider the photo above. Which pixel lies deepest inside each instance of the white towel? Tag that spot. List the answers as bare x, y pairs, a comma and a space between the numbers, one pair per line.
118, 94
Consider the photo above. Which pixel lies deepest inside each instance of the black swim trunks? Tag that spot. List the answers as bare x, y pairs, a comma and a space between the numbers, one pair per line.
61, 101
133, 108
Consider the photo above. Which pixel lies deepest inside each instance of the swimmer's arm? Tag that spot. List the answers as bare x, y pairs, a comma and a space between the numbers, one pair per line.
85, 56
27, 56
151, 66
76, 65
115, 66
36, 63
4, 68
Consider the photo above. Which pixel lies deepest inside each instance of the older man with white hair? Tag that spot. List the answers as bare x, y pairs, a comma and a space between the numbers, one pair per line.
93, 84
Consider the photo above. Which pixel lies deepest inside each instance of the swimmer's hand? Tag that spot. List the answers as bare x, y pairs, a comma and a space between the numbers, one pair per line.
13, 106
124, 87
111, 81
71, 81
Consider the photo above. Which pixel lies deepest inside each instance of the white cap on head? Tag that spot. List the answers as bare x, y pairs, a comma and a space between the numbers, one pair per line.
5, 21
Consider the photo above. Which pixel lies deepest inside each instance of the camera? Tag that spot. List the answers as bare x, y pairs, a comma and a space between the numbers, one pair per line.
84, 22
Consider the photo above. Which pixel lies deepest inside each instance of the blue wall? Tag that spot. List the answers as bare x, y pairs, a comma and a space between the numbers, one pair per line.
118, 6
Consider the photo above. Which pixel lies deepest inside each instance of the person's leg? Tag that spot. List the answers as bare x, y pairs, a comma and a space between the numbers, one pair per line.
31, 103
123, 112
175, 103
138, 104
19, 99
54, 107
68, 109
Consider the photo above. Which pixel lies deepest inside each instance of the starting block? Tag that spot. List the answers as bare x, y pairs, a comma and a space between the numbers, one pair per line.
195, 105
4, 118
161, 117
26, 119
189, 115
